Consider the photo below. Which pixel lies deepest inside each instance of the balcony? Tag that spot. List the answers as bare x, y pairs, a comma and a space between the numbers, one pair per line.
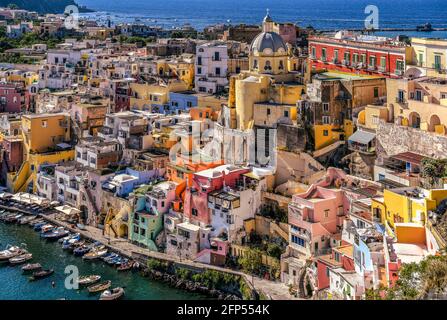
216, 58
372, 68
381, 69
398, 72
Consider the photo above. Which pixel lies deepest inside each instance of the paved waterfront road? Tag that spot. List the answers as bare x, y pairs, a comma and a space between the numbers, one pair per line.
276, 290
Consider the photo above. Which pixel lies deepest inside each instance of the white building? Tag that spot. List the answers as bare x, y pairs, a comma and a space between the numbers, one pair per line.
211, 67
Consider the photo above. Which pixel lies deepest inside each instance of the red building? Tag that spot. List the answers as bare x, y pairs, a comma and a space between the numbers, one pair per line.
13, 97
341, 257
361, 54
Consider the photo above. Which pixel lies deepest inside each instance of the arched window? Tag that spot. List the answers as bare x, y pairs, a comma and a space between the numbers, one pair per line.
267, 66
281, 65
255, 64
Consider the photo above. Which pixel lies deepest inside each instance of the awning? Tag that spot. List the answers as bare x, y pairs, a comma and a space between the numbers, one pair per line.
362, 137
410, 157
68, 210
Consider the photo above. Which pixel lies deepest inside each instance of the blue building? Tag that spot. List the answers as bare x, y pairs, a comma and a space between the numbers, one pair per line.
180, 102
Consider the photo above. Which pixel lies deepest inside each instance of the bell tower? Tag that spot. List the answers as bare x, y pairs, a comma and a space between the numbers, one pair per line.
267, 23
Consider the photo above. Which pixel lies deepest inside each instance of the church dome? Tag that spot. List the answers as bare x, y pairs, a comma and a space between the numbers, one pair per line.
268, 43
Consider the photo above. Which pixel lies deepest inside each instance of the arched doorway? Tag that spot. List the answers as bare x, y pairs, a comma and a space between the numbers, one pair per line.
414, 120
123, 230
434, 121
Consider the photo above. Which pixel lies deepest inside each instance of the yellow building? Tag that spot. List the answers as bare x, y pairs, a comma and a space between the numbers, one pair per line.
268, 79
406, 205
45, 138
429, 57
153, 97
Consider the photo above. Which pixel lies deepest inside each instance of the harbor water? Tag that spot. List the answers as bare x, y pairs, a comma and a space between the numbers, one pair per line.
16, 286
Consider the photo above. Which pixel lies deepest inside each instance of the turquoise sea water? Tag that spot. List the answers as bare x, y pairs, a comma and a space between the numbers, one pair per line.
322, 14
16, 286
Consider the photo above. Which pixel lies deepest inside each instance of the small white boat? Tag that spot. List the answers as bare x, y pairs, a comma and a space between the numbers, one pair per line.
88, 280
95, 253
113, 294
21, 258
10, 252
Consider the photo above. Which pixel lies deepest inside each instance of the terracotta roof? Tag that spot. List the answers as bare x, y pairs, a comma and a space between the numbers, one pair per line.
410, 157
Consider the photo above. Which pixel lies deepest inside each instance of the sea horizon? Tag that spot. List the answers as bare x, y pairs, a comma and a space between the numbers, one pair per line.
320, 14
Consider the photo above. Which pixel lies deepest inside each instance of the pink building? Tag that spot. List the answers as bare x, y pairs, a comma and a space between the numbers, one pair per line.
204, 182
314, 217
13, 98
287, 31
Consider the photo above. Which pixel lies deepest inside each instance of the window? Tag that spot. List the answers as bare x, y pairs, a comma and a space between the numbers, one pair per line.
268, 111
189, 104
255, 64
281, 65
44, 123
216, 56
399, 66
336, 56
383, 63
438, 63
376, 92
325, 107
162, 204
326, 119
199, 60
194, 212
326, 213
323, 54
314, 52
199, 70
327, 272
218, 71
267, 66
286, 113
298, 241
355, 58
325, 133
347, 57
372, 62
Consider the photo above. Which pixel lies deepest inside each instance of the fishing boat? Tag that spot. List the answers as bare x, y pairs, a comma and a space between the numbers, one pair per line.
42, 274
72, 240
46, 228
31, 267
76, 245
80, 251
10, 252
95, 253
21, 258
33, 223
55, 234
125, 266
88, 280
100, 287
113, 294
12, 218
26, 220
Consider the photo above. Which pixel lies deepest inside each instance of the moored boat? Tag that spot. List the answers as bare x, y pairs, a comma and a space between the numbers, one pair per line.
95, 253
55, 234
10, 252
125, 266
88, 280
21, 258
81, 250
31, 267
26, 220
42, 274
113, 294
46, 228
100, 287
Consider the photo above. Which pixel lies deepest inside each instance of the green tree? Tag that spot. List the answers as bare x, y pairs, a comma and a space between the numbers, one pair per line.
433, 169
421, 280
251, 261
13, 6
